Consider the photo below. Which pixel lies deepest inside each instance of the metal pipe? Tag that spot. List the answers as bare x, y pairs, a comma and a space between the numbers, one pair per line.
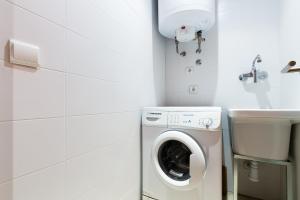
253, 173
183, 53
200, 40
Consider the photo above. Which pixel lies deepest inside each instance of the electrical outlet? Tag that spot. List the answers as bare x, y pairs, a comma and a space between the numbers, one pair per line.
193, 89
189, 70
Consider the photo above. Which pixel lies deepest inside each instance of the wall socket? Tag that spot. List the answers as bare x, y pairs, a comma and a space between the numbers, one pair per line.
193, 89
189, 70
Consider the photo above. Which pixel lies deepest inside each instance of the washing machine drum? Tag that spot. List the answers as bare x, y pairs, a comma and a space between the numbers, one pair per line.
178, 160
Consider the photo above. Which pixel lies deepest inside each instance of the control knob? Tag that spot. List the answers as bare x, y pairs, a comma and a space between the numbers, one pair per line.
207, 122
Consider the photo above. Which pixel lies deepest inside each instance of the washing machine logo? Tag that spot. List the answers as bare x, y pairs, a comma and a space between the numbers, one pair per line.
154, 113
153, 116
188, 115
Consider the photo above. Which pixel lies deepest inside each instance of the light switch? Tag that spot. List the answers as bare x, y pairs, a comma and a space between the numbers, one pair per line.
22, 53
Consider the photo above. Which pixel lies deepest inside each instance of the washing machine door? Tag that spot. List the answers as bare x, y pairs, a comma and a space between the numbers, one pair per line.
178, 160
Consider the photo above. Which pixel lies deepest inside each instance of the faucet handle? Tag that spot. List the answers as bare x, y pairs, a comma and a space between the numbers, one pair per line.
242, 78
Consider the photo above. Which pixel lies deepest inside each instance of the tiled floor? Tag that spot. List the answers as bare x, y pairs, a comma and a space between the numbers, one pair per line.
246, 198
230, 197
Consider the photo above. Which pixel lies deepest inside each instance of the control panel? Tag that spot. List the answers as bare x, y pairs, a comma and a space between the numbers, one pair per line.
197, 120
207, 118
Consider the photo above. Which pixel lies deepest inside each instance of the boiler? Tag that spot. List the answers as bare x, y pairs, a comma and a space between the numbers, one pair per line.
184, 20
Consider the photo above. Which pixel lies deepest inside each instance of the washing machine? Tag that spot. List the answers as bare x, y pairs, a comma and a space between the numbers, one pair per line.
182, 153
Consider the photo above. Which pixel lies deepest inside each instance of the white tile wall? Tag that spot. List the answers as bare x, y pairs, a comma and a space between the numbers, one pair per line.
6, 152
89, 132
25, 26
6, 190
83, 59
37, 144
31, 93
97, 170
38, 94
30, 145
86, 95
70, 130
54, 10
47, 184
6, 92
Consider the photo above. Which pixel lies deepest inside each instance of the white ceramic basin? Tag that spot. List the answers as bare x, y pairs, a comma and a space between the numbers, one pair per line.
262, 133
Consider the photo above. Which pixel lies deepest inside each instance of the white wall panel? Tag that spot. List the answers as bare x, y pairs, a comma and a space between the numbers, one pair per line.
70, 130
23, 25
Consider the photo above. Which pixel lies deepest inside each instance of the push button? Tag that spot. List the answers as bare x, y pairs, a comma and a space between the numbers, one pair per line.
207, 122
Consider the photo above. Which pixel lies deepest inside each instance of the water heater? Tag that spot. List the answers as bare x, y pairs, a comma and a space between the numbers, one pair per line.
184, 20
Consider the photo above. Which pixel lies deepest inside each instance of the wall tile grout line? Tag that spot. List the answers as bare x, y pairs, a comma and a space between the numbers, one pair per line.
67, 158
74, 156
53, 22
31, 119
13, 66
33, 172
104, 113
60, 71
63, 116
45, 18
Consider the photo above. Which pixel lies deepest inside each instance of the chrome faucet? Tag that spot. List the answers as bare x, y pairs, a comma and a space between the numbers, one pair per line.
254, 71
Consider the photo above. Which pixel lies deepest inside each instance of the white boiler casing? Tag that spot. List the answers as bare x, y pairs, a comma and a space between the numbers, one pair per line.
191, 15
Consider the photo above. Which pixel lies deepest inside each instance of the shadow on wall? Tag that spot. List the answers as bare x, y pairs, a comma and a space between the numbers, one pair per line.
158, 48
6, 111
182, 73
6, 128
7, 124
260, 89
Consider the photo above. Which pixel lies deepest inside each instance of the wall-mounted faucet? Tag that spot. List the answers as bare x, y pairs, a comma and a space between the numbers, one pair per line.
254, 72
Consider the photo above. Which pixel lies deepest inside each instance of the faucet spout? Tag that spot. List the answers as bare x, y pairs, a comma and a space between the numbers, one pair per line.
253, 72
257, 59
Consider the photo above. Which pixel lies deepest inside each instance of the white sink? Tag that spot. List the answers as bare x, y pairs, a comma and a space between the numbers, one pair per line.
262, 133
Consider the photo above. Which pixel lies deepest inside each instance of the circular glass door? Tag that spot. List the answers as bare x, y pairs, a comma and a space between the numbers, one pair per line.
178, 160
174, 160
